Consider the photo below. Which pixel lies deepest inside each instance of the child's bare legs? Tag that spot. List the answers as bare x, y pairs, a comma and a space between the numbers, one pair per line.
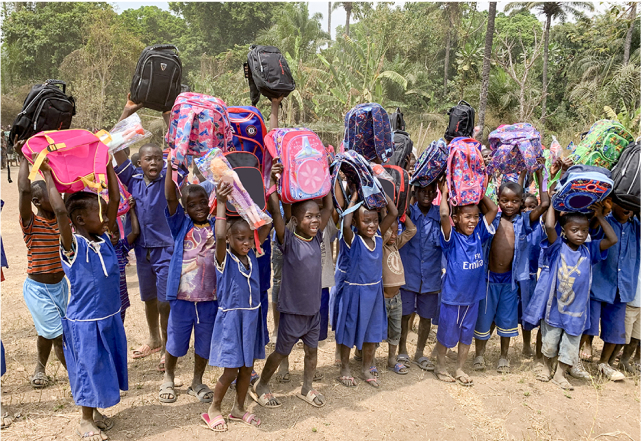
87, 425
262, 387
441, 369
586, 347
311, 360
151, 314
463, 351
505, 347
479, 347
43, 347
283, 370
345, 372
391, 355
223, 383
405, 326
337, 355
628, 350
242, 385
539, 342
163, 310
170, 371
369, 349
609, 351
527, 341
276, 315
424, 327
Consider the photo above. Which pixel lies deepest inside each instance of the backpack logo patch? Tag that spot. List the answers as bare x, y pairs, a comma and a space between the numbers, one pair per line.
251, 131
163, 66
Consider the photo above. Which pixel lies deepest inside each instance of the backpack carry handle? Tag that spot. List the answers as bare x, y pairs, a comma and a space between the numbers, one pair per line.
165, 46
57, 83
464, 102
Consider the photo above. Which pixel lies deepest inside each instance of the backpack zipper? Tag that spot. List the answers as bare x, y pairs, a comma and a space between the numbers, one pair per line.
636, 175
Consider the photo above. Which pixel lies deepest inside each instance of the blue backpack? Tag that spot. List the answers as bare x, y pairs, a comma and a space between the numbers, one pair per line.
357, 171
368, 132
249, 130
580, 187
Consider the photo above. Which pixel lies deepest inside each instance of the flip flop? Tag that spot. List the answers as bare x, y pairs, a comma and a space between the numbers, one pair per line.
39, 376
104, 424
317, 376
144, 351
399, 368
463, 383
216, 422
540, 373
161, 364
479, 363
404, 359
564, 384
7, 420
166, 388
283, 378
347, 381
88, 434
265, 399
373, 382
200, 392
444, 377
585, 356
373, 371
309, 398
247, 419
503, 366
424, 363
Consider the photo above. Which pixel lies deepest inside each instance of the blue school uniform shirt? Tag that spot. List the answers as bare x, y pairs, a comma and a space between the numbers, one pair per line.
534, 248
466, 274
521, 259
179, 225
150, 206
620, 270
421, 256
567, 289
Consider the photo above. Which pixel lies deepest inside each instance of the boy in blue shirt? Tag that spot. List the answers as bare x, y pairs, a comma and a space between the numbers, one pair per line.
421, 258
508, 264
632, 332
613, 286
464, 282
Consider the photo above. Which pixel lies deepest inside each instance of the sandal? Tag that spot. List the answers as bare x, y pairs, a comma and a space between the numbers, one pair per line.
563, 384
248, 419
468, 383
267, 400
424, 363
373, 382
503, 366
444, 377
347, 381
144, 351
310, 398
373, 371
399, 368
167, 389
541, 375
218, 424
283, 378
202, 392
39, 380
585, 356
404, 359
89, 434
104, 423
318, 376
161, 364
479, 363
7, 420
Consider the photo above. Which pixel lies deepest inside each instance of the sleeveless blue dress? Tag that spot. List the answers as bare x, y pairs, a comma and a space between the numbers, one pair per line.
360, 315
94, 340
239, 335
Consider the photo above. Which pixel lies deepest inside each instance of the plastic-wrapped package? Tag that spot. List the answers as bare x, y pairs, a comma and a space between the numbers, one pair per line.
215, 168
124, 134
380, 172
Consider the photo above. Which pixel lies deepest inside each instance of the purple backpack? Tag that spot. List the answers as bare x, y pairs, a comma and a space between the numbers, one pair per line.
430, 164
357, 171
466, 176
516, 147
368, 132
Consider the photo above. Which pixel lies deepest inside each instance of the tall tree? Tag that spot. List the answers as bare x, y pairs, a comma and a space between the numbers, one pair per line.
452, 13
350, 8
485, 75
628, 36
551, 10
329, 19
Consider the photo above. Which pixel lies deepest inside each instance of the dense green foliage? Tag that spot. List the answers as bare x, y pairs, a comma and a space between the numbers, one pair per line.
394, 56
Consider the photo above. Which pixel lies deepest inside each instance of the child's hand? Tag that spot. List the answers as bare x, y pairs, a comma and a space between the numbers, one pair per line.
45, 167
223, 191
277, 101
555, 167
442, 186
567, 163
277, 170
132, 107
599, 209
551, 190
131, 201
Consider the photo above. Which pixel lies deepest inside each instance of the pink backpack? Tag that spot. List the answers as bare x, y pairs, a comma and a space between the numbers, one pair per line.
466, 176
198, 124
305, 167
77, 158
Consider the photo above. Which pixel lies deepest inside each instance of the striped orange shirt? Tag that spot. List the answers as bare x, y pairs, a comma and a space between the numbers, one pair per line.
42, 237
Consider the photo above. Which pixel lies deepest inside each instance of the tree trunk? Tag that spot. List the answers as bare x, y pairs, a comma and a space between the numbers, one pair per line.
628, 36
348, 14
546, 42
448, 43
329, 19
485, 75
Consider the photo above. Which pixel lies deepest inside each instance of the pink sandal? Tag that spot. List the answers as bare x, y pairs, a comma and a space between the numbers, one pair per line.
216, 423
248, 418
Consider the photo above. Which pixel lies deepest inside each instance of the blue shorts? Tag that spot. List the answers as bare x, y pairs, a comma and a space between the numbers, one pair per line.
456, 324
47, 304
500, 306
293, 327
152, 265
324, 314
526, 290
425, 305
186, 316
612, 318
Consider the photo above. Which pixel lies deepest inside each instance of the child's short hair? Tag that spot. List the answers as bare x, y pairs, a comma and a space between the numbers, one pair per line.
571, 216
235, 223
456, 209
191, 190
527, 196
149, 145
38, 189
135, 158
512, 186
298, 208
80, 201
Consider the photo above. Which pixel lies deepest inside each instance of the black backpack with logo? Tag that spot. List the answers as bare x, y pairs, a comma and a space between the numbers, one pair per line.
268, 73
626, 175
46, 107
156, 82
461, 121
396, 120
403, 146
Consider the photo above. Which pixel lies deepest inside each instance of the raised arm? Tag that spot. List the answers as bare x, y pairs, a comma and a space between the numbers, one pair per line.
58, 206
135, 225
550, 222
222, 193
273, 119
327, 211
545, 199
444, 211
274, 209
610, 237
114, 196
130, 109
170, 190
489, 209
348, 234
390, 217
24, 187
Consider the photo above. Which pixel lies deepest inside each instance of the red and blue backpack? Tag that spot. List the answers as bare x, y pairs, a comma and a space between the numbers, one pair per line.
466, 176
431, 164
368, 132
516, 147
248, 127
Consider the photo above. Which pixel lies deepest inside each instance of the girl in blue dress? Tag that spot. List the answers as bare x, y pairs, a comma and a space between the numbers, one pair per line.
94, 339
361, 319
239, 335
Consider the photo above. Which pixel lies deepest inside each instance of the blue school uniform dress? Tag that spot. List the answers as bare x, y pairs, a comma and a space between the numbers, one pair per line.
421, 258
501, 303
615, 281
464, 284
526, 287
239, 333
94, 339
361, 316
265, 271
154, 246
340, 274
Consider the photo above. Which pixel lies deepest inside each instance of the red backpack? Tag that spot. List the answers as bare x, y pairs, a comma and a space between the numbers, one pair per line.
466, 176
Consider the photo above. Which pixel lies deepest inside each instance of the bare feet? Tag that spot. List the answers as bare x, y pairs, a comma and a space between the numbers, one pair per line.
527, 352
542, 372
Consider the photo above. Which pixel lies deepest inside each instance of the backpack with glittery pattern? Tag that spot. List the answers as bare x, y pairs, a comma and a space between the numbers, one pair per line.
368, 132
466, 175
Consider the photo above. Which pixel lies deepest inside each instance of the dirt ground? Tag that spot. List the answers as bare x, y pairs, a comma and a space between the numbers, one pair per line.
511, 406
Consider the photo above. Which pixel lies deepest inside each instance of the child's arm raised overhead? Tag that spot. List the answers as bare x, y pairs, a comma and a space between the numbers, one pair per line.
390, 217
170, 190
327, 211
114, 196
348, 234
130, 109
550, 222
545, 199
610, 236
58, 206
135, 225
489, 209
274, 209
222, 192
24, 187
273, 118
444, 210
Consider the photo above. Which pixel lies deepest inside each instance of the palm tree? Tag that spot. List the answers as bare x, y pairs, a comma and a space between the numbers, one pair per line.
485, 75
452, 13
557, 10
350, 8
628, 36
329, 19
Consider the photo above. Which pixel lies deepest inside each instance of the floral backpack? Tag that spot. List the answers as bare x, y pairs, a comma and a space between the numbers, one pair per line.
466, 176
368, 132
602, 144
357, 171
581, 187
430, 164
516, 147
305, 166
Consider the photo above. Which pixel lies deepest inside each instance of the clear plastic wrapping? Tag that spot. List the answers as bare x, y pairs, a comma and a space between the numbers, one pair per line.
124, 134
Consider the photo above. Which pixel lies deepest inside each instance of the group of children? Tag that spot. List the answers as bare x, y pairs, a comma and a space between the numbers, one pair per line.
468, 269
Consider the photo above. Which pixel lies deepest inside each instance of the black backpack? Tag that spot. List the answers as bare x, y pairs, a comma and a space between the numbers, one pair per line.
46, 107
396, 120
461, 121
399, 189
403, 146
268, 73
156, 82
627, 178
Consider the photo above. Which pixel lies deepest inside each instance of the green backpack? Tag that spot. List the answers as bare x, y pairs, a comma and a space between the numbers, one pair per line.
603, 144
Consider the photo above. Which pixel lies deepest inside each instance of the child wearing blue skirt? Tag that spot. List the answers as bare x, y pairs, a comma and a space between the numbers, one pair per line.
94, 339
361, 319
239, 335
